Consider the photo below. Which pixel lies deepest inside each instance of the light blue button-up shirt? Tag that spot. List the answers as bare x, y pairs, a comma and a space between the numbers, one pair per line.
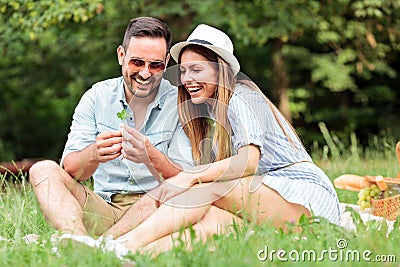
97, 113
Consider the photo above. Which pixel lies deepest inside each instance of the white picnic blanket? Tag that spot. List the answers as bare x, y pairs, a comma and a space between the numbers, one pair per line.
346, 219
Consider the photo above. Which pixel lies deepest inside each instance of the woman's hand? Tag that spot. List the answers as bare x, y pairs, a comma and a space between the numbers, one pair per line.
172, 187
135, 146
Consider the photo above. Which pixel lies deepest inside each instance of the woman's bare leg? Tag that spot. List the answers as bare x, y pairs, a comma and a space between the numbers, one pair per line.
164, 221
262, 205
198, 196
215, 221
181, 211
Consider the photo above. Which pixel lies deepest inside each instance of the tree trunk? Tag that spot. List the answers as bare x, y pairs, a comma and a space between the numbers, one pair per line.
279, 80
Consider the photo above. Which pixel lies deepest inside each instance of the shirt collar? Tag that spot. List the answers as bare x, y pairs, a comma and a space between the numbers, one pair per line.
161, 96
159, 100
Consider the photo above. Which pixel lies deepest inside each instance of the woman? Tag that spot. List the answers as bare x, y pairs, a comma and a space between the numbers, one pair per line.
250, 138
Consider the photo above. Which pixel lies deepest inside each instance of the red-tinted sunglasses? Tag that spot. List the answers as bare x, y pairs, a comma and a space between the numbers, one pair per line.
153, 65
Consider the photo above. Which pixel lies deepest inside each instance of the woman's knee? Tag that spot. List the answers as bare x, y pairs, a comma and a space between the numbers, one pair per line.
234, 196
216, 221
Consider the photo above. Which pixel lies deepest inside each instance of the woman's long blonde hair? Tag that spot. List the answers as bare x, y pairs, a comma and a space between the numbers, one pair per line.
195, 119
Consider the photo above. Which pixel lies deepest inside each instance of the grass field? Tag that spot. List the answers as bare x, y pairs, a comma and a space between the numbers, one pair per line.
319, 244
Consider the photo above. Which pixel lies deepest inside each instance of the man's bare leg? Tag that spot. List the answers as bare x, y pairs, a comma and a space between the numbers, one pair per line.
134, 216
60, 197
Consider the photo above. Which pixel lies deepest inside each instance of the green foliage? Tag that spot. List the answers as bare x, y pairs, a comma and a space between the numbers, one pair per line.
332, 73
349, 152
25, 20
340, 60
332, 49
40, 85
19, 213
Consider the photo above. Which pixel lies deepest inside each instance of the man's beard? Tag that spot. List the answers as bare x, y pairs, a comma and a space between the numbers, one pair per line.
134, 84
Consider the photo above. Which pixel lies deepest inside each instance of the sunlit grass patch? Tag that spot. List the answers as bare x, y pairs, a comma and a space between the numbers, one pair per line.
250, 245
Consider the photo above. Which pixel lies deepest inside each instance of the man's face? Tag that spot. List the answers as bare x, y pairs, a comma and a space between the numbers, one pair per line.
143, 63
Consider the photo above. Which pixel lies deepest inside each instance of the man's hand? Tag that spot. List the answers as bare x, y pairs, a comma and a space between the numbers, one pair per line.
135, 146
82, 164
108, 146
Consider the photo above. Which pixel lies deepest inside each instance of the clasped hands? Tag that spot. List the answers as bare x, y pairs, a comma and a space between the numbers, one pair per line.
134, 146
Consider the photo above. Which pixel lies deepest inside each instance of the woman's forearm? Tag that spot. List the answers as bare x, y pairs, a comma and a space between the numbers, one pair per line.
245, 163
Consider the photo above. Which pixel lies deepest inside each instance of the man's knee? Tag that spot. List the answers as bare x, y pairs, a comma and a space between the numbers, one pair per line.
40, 170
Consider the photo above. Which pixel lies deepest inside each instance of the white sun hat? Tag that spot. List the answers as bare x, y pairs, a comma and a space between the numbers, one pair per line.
214, 40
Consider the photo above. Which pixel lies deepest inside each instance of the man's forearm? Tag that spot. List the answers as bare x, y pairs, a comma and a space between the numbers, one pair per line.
81, 164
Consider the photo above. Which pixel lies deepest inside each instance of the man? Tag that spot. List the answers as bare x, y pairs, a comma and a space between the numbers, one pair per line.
125, 163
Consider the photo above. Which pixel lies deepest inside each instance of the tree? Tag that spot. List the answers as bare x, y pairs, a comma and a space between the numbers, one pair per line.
329, 56
33, 37
334, 61
354, 64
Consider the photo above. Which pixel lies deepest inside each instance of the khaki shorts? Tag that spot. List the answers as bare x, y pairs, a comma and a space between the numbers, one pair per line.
99, 215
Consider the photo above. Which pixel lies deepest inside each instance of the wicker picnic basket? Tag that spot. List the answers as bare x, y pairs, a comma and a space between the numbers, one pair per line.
388, 208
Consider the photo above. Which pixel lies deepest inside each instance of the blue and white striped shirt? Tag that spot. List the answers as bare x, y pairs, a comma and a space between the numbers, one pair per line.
284, 163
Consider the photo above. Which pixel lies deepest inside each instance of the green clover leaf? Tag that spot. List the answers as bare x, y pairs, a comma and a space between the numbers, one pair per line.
122, 114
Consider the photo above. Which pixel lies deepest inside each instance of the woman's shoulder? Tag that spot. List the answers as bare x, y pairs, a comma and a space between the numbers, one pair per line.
241, 88
247, 94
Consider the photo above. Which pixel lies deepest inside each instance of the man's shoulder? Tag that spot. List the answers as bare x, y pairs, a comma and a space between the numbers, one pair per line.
105, 92
109, 84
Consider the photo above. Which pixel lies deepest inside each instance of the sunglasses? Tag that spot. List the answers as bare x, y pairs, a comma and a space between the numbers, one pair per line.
153, 65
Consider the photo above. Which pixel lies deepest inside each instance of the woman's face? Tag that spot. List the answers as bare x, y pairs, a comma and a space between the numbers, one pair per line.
199, 76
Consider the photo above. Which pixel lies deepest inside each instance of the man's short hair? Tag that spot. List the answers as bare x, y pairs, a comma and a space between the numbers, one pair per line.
147, 27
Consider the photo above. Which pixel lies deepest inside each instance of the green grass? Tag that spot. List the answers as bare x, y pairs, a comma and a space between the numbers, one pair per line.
20, 215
